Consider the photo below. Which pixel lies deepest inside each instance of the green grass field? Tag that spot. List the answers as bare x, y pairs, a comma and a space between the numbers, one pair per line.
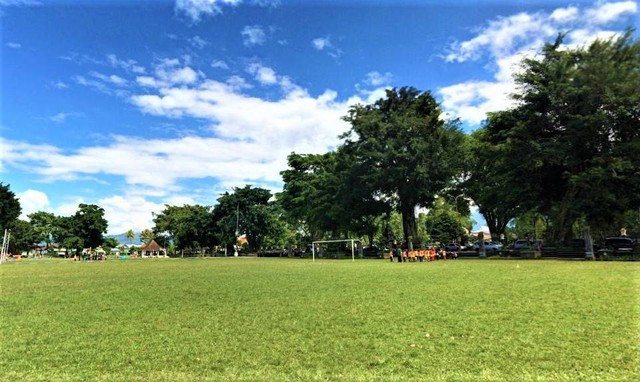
248, 319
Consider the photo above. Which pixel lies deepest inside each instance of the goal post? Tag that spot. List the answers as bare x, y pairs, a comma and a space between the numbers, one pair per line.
352, 241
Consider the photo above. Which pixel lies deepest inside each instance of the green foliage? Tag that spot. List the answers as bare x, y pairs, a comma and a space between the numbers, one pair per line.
44, 223
579, 120
188, 226
85, 229
147, 235
248, 211
90, 225
311, 193
500, 176
403, 151
130, 235
23, 237
444, 225
109, 243
9, 208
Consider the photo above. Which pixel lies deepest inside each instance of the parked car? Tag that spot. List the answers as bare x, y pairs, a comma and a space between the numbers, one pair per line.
521, 244
488, 246
526, 244
453, 247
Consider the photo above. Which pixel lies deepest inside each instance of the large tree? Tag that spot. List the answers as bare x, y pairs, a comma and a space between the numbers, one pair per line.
310, 193
84, 229
90, 225
247, 211
500, 177
188, 226
9, 207
579, 123
404, 151
44, 224
23, 237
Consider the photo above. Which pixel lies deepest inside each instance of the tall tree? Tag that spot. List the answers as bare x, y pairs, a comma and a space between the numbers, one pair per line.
90, 225
247, 211
44, 224
497, 162
580, 123
130, 235
188, 226
404, 151
23, 237
9, 207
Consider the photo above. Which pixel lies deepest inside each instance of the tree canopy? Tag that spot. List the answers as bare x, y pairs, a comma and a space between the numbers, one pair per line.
9, 207
404, 151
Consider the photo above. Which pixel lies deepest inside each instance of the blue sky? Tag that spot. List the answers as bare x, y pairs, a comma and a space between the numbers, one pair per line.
134, 104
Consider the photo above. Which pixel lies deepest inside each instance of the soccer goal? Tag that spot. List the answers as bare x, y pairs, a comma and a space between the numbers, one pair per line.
316, 244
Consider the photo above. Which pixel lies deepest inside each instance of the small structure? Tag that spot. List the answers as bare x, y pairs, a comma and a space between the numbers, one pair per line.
152, 250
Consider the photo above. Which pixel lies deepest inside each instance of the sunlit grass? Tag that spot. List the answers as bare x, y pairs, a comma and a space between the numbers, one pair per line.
290, 320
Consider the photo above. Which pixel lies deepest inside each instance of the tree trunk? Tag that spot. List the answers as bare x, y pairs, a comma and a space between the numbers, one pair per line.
409, 224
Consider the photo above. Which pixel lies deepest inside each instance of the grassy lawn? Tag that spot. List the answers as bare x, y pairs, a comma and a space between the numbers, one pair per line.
263, 319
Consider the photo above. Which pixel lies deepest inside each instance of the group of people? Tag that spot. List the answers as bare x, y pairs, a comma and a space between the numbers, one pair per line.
430, 254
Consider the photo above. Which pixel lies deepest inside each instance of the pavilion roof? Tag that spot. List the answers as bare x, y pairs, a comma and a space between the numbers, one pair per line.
152, 246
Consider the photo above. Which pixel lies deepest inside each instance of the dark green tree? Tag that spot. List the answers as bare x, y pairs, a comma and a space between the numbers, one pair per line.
579, 124
310, 193
188, 226
89, 224
247, 211
109, 243
130, 235
44, 224
9, 208
23, 237
404, 151
500, 174
443, 224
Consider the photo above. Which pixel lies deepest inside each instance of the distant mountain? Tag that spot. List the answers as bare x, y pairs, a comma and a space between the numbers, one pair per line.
122, 238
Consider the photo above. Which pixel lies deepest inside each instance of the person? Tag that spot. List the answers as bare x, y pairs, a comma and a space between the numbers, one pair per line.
399, 253
391, 254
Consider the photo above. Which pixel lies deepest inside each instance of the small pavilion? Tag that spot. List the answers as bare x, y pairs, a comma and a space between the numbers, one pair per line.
152, 250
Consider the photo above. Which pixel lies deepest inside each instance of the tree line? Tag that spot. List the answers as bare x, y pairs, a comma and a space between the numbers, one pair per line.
565, 157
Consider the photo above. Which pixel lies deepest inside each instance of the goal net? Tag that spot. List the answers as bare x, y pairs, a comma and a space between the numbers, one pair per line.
336, 248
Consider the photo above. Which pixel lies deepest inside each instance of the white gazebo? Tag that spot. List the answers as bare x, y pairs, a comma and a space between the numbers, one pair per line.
152, 250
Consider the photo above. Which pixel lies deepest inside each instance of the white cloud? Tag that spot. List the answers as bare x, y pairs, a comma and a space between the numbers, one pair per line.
564, 15
263, 74
321, 43
14, 45
195, 9
110, 79
470, 101
7, 3
128, 65
61, 117
198, 42
325, 44
253, 35
59, 85
147, 81
605, 13
32, 201
237, 83
219, 64
129, 212
505, 41
378, 79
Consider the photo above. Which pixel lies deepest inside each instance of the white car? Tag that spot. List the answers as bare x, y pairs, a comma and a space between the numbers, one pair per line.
488, 246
